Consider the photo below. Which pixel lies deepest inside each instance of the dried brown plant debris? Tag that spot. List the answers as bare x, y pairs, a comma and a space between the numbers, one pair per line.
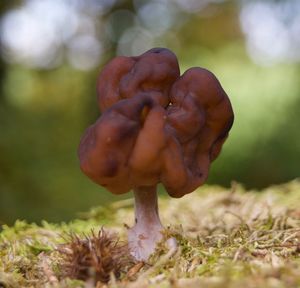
97, 257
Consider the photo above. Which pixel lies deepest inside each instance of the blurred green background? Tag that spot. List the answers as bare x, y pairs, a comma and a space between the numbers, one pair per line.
53, 50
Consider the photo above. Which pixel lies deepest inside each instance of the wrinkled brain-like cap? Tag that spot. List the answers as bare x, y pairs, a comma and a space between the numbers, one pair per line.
156, 126
152, 73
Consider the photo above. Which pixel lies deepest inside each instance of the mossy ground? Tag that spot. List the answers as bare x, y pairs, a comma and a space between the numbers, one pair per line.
226, 238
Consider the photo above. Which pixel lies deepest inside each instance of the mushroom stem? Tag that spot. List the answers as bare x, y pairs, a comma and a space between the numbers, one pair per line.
146, 233
146, 207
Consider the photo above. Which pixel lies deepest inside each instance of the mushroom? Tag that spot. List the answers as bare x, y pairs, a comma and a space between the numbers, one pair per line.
156, 127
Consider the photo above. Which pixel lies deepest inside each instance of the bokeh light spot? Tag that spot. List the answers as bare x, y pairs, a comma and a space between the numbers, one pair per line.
272, 30
157, 16
135, 41
85, 52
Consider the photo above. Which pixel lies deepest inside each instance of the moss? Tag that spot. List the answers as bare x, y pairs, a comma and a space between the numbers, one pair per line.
226, 238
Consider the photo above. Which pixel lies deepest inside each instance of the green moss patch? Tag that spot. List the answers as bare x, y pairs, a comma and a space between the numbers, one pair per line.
226, 238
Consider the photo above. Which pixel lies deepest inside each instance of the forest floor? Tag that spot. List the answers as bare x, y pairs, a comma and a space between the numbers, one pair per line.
226, 238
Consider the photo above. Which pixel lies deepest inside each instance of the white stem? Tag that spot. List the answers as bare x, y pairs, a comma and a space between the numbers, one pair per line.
144, 236
146, 207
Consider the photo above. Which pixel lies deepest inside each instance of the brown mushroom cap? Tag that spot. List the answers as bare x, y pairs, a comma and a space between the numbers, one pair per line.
199, 118
155, 126
152, 73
